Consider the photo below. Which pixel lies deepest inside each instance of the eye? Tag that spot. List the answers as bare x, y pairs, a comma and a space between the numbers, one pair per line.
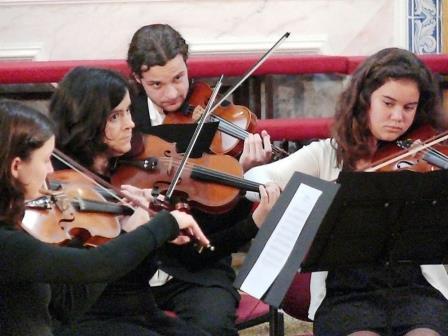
410, 108
156, 85
114, 116
388, 103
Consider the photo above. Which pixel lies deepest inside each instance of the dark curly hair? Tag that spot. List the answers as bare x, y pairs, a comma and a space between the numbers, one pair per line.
153, 45
80, 107
351, 123
22, 131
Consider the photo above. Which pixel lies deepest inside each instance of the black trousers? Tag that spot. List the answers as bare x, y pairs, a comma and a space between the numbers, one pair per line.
132, 313
212, 309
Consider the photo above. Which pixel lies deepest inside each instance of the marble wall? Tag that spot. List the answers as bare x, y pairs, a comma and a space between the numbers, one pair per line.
101, 29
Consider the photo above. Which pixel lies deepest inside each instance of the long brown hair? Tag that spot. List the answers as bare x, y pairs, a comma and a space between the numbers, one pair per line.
22, 130
351, 126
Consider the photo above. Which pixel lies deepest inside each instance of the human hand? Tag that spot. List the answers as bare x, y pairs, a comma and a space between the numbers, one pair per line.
189, 229
268, 196
257, 150
135, 197
139, 217
133, 192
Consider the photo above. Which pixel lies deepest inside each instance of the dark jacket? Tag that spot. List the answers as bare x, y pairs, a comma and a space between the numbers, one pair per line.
28, 266
227, 232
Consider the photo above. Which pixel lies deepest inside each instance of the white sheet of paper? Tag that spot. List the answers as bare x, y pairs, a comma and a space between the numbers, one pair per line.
279, 246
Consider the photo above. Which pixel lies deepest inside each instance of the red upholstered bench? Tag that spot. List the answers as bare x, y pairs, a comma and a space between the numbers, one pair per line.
203, 66
437, 63
15, 72
295, 128
297, 298
252, 312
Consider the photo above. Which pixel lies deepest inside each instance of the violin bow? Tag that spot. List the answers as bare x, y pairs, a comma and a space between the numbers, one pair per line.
98, 181
194, 138
410, 151
189, 149
245, 76
250, 71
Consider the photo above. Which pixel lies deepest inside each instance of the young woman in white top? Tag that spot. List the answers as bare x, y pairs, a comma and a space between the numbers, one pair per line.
389, 94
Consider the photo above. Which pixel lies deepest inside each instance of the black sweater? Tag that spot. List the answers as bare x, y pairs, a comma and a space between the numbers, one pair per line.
227, 232
27, 266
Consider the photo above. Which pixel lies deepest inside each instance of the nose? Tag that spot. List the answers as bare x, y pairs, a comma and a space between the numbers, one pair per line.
129, 123
397, 114
170, 92
50, 168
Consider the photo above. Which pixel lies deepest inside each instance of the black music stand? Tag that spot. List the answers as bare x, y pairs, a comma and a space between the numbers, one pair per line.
374, 219
274, 295
181, 134
382, 219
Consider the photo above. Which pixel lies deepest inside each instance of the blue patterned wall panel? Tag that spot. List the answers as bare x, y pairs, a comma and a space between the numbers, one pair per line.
424, 26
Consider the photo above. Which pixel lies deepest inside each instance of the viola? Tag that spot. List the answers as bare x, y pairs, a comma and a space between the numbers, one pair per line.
83, 175
211, 183
236, 122
395, 157
76, 211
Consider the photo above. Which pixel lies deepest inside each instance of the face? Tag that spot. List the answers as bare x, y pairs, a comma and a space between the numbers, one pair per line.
392, 108
167, 86
118, 130
31, 173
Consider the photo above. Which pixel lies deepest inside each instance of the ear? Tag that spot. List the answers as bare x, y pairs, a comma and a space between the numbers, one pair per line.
137, 78
15, 167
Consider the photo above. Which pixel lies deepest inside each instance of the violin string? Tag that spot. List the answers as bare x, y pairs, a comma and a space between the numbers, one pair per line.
240, 133
104, 185
217, 175
437, 154
409, 152
190, 167
229, 180
91, 179
194, 138
231, 129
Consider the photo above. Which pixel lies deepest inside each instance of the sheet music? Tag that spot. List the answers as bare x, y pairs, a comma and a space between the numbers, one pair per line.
279, 246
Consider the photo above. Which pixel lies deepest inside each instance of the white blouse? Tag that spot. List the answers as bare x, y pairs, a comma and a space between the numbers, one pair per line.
319, 159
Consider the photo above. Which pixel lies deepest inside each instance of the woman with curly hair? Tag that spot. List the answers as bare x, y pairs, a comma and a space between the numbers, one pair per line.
390, 94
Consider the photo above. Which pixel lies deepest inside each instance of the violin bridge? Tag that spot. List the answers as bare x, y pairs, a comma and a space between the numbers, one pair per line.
197, 113
43, 202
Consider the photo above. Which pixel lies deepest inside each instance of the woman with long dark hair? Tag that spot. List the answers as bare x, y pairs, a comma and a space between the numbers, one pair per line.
390, 94
27, 265
91, 110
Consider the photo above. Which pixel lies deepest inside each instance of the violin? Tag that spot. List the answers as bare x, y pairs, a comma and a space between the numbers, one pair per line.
235, 121
399, 155
75, 211
211, 183
83, 175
